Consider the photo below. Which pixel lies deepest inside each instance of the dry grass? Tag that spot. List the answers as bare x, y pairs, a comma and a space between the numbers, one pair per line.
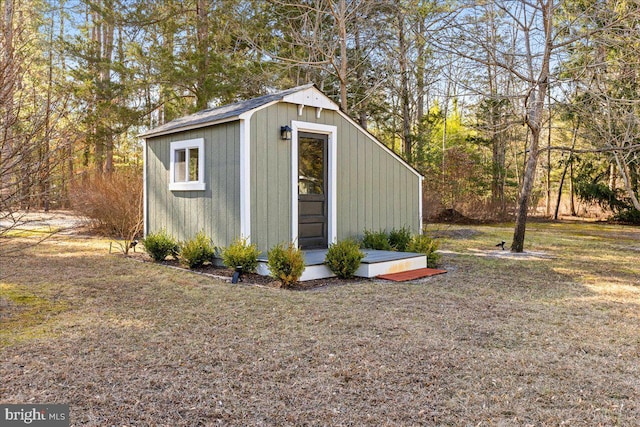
548, 340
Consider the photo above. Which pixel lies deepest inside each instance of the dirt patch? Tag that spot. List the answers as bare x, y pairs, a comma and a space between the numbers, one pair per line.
62, 222
453, 216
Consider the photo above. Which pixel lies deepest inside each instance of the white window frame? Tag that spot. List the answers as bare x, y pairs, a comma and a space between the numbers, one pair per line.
198, 185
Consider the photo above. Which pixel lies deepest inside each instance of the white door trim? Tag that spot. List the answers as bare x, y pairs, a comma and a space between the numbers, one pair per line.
332, 174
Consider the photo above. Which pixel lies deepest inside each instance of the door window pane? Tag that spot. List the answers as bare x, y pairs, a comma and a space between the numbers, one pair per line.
311, 166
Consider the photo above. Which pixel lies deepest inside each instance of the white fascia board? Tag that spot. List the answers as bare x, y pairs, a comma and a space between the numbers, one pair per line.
190, 127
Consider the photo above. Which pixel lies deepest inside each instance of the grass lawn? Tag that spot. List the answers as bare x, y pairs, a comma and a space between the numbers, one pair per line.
551, 338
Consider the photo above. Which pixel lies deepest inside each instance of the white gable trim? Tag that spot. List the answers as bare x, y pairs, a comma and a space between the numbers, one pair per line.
311, 97
332, 175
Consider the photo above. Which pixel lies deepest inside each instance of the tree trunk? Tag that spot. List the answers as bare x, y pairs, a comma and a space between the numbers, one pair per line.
404, 90
522, 209
534, 122
342, 33
625, 175
574, 138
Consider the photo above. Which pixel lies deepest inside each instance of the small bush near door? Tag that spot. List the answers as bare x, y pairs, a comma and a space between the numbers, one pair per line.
396, 240
344, 257
241, 254
160, 245
399, 239
195, 252
286, 264
425, 245
378, 240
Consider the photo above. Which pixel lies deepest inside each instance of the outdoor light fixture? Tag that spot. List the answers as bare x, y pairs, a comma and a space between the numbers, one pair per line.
285, 133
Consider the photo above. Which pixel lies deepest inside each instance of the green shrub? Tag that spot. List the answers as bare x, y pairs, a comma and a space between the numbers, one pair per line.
241, 254
425, 245
400, 239
195, 252
344, 257
628, 216
376, 240
286, 264
160, 245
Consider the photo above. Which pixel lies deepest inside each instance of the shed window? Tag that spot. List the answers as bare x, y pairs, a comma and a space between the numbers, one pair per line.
187, 165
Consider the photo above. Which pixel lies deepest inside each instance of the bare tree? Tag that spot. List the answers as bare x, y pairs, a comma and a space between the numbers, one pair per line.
541, 31
26, 128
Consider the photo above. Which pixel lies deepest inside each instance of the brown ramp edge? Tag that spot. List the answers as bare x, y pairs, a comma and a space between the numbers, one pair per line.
411, 274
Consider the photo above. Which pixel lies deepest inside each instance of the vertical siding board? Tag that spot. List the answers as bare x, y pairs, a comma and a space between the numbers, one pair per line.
368, 180
236, 180
221, 183
274, 163
359, 176
253, 179
375, 179
354, 221
262, 185
285, 112
212, 161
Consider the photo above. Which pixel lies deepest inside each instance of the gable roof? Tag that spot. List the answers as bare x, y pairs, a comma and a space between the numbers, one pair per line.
307, 94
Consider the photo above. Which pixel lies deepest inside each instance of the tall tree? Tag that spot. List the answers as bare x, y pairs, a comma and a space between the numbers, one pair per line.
605, 69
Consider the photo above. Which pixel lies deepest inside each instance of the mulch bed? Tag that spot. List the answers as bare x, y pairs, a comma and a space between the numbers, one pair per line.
225, 273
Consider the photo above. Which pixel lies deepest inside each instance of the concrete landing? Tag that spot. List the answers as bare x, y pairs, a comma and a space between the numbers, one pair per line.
374, 264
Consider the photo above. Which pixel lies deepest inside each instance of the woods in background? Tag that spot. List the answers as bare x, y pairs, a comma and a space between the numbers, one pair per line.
503, 106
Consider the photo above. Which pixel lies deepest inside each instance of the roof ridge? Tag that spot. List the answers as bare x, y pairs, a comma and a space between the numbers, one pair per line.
222, 112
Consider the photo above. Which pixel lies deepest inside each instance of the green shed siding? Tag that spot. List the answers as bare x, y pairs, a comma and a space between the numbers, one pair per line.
375, 190
216, 210
270, 177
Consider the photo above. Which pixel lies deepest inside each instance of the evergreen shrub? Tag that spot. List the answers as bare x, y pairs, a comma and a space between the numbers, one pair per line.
425, 245
378, 240
241, 254
286, 264
344, 257
399, 239
160, 245
195, 252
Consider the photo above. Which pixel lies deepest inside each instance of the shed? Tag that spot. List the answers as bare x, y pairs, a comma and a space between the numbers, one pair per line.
288, 166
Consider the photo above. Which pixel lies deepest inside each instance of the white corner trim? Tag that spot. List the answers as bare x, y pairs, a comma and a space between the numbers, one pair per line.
420, 181
245, 175
332, 174
145, 200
